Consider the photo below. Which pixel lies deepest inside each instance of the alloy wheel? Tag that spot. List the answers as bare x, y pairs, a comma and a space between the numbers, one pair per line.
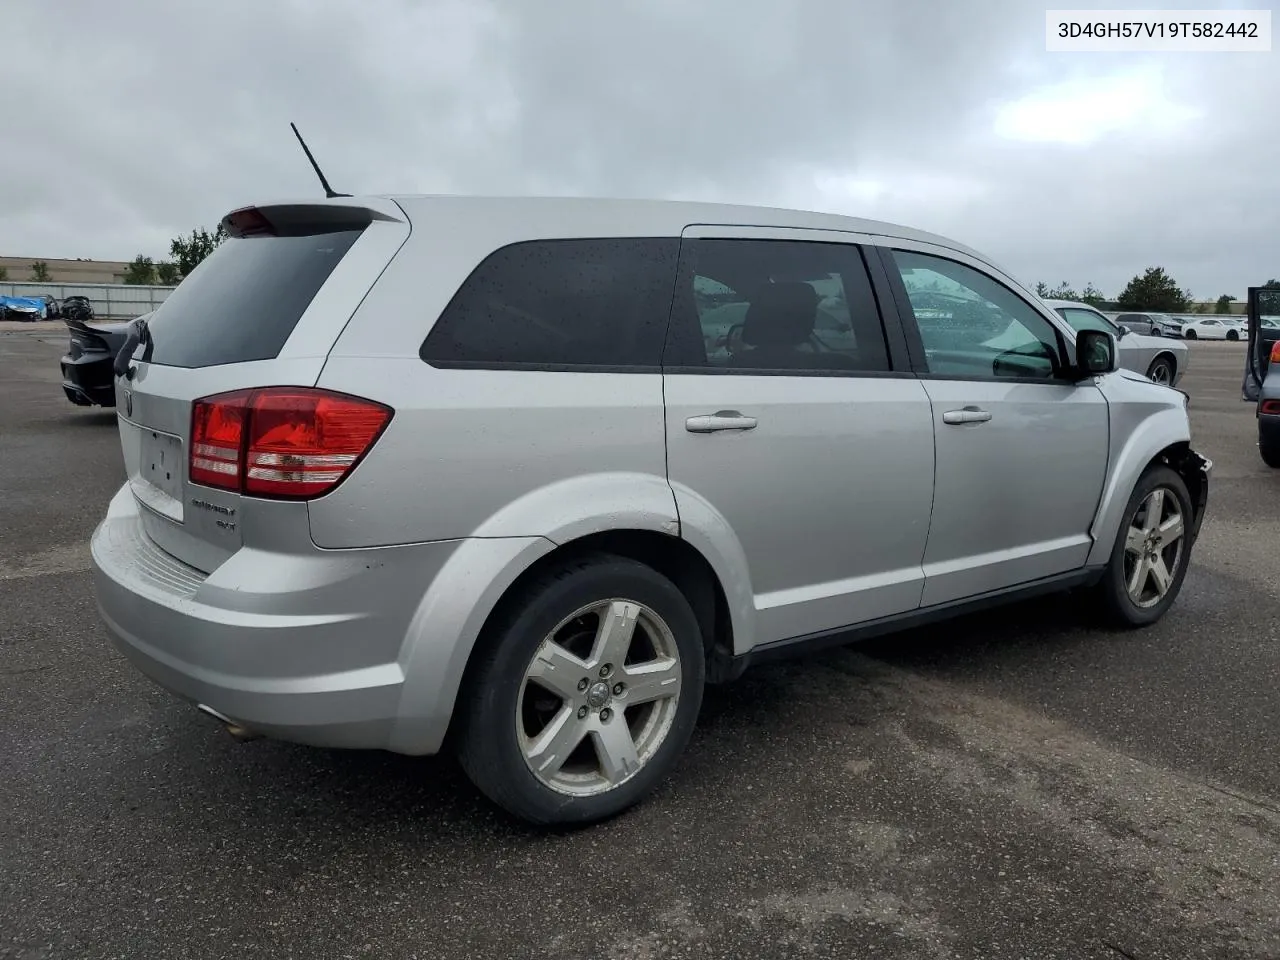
1154, 547
599, 697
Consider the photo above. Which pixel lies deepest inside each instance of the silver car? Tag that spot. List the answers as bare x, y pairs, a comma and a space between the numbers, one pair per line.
414, 466
1161, 359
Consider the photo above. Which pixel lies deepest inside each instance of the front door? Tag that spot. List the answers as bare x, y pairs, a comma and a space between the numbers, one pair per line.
1021, 451
788, 428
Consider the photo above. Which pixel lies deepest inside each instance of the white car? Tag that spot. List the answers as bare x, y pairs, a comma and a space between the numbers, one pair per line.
1210, 328
1157, 358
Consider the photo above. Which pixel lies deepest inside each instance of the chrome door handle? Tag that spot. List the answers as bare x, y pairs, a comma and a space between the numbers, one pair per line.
720, 420
967, 415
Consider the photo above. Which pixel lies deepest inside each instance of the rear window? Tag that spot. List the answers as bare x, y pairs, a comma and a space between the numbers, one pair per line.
554, 304
244, 300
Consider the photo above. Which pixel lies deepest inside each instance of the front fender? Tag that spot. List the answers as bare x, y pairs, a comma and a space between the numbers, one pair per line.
1142, 436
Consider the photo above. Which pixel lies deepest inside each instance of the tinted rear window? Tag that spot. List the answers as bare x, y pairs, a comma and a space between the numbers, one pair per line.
244, 300
550, 304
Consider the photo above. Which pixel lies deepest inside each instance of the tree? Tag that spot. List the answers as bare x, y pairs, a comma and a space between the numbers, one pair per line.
1223, 303
1092, 296
167, 273
1062, 291
189, 251
1271, 285
4, 274
1156, 291
40, 272
141, 272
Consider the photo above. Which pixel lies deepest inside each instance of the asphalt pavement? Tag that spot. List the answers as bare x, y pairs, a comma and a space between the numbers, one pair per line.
1016, 784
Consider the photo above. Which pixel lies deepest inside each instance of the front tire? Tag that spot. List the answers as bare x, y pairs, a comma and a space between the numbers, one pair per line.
1189, 335
1161, 371
1152, 550
585, 692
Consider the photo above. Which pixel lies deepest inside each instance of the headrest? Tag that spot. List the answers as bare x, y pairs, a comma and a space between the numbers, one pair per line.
780, 314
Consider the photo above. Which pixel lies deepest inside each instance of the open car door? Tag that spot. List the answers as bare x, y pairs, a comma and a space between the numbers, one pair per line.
1264, 332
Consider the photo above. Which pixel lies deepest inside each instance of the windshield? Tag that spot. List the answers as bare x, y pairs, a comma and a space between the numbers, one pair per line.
1082, 319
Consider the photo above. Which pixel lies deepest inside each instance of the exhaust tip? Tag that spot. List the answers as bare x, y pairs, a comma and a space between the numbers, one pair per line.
238, 732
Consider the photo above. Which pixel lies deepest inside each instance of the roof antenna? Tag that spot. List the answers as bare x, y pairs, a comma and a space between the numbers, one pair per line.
329, 192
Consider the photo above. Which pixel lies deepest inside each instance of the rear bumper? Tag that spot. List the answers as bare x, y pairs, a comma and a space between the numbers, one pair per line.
302, 648
89, 380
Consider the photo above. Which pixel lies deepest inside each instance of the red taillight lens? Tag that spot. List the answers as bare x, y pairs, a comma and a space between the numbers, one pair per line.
1270, 406
281, 442
217, 439
1275, 351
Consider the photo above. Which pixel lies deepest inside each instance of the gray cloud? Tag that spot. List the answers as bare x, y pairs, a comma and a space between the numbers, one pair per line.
148, 119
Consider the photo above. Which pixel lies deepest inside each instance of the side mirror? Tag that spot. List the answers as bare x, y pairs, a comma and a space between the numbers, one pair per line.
1095, 353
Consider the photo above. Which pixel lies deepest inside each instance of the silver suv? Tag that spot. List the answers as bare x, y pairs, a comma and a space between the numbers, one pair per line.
529, 472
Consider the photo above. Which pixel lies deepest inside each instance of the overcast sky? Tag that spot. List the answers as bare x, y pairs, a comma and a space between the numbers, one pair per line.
127, 123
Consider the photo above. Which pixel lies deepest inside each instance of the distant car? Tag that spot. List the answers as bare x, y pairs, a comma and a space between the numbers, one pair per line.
87, 376
1209, 328
21, 308
1147, 324
77, 307
1157, 358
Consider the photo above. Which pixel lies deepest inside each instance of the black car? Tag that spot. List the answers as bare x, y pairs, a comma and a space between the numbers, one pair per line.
87, 375
77, 307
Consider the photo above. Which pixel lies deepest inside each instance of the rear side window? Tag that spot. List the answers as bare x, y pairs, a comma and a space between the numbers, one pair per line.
244, 299
775, 307
553, 304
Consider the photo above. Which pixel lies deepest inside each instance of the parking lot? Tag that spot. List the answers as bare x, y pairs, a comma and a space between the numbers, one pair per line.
1017, 784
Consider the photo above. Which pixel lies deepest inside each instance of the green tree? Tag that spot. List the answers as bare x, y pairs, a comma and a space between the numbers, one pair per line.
1062, 291
1092, 295
1271, 285
189, 251
4, 274
1156, 291
40, 272
141, 272
167, 274
1223, 303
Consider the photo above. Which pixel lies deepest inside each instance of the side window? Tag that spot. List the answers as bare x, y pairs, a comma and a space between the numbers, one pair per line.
1086, 320
774, 306
561, 303
974, 326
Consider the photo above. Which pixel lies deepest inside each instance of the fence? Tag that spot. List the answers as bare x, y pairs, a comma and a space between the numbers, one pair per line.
110, 301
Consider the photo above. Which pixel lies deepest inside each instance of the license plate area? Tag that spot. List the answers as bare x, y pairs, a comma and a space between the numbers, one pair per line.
158, 481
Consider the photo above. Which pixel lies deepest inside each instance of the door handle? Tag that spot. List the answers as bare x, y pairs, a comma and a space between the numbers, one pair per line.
967, 415
720, 420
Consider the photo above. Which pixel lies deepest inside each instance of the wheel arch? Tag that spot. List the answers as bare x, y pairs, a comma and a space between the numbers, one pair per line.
1166, 440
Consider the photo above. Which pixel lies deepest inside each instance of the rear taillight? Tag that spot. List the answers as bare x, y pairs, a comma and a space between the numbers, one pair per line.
1275, 351
281, 442
1270, 407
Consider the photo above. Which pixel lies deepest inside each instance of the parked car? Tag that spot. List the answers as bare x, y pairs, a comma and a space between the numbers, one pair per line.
21, 308
1161, 359
405, 467
77, 307
87, 377
1209, 328
1147, 324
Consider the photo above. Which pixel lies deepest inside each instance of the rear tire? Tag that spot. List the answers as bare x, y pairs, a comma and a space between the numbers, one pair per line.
1152, 550
1269, 446
553, 727
1232, 335
1161, 371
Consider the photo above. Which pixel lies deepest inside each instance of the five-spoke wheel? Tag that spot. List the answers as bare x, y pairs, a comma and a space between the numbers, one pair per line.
584, 692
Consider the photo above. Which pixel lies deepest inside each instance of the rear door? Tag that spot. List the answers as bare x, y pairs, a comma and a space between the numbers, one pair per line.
1021, 451
263, 309
787, 417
